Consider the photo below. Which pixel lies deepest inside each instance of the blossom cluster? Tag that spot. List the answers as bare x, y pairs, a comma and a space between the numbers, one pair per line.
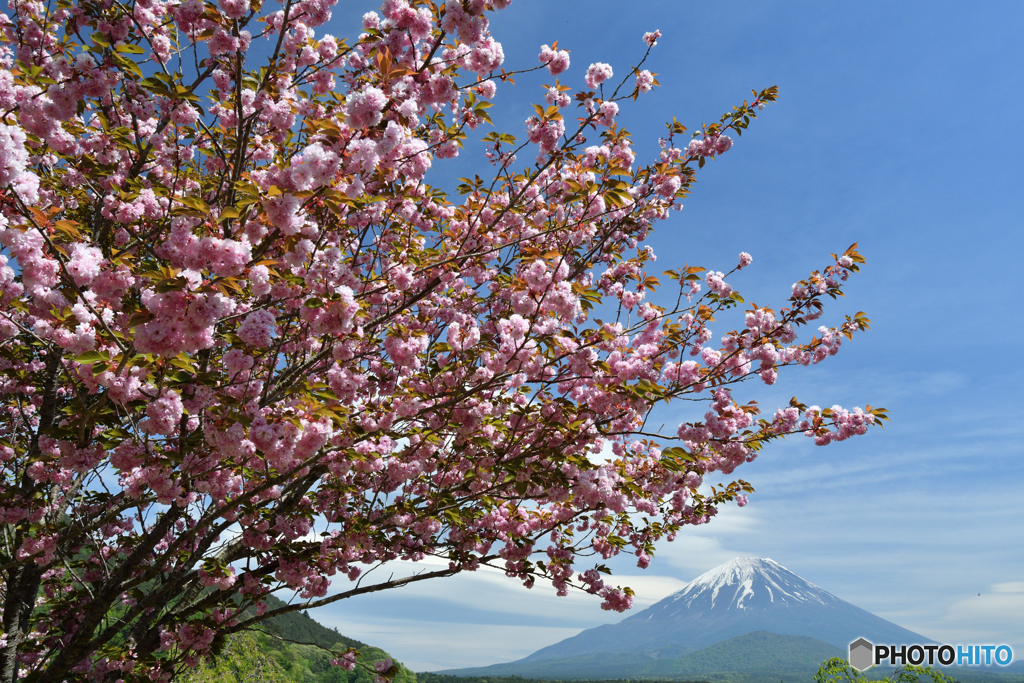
247, 348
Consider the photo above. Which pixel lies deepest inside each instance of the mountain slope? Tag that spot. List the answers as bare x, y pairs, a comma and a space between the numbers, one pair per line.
741, 596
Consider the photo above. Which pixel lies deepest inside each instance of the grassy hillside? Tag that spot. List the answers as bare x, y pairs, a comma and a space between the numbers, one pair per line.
291, 648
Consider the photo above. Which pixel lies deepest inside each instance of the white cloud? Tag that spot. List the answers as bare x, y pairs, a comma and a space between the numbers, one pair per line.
986, 618
1008, 587
992, 609
430, 647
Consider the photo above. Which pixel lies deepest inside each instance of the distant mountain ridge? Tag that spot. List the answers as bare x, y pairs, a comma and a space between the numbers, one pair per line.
742, 596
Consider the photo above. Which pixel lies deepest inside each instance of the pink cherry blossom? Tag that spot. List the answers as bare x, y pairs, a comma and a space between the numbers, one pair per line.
717, 284
164, 414
644, 81
598, 73
363, 108
257, 328
13, 167
557, 61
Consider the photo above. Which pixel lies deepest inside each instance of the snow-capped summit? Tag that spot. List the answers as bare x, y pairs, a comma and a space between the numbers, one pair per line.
748, 583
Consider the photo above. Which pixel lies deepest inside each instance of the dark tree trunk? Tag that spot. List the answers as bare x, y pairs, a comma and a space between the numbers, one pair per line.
22, 587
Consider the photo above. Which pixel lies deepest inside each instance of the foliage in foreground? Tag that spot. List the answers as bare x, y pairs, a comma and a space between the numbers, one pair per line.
242, 659
247, 348
838, 670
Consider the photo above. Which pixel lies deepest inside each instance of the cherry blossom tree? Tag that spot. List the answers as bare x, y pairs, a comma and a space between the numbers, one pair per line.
246, 347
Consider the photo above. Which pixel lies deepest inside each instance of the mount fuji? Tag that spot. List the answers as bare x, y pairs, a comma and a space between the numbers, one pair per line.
740, 597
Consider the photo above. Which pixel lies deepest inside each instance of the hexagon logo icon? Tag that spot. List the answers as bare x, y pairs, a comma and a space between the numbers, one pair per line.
862, 654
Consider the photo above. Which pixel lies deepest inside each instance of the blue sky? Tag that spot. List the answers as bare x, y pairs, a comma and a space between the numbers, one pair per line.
898, 127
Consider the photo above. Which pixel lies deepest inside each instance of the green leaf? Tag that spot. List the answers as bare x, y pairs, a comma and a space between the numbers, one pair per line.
128, 65
170, 285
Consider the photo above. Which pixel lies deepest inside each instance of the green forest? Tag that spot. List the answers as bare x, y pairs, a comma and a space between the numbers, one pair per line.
290, 648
